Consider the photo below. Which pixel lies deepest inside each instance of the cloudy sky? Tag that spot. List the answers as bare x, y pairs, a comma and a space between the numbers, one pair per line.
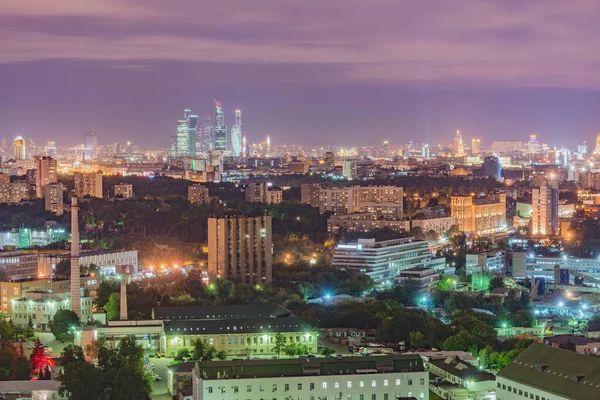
310, 72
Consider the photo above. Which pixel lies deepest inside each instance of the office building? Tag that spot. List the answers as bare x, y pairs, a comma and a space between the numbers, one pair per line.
123, 190
198, 194
14, 192
240, 247
25, 238
491, 167
51, 149
90, 144
309, 194
19, 148
14, 290
46, 173
383, 261
550, 373
40, 307
425, 280
479, 216
236, 135
349, 169
18, 265
363, 222
544, 215
528, 265
53, 198
532, 145
88, 184
220, 128
193, 127
207, 141
475, 146
492, 261
239, 330
261, 193
182, 141
359, 378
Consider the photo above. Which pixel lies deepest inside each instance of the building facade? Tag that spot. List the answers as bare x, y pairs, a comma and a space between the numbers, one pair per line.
53, 198
198, 194
46, 173
479, 216
14, 192
425, 279
437, 225
19, 265
261, 193
124, 190
240, 247
383, 261
363, 222
382, 201
544, 215
309, 194
105, 260
88, 184
40, 307
353, 378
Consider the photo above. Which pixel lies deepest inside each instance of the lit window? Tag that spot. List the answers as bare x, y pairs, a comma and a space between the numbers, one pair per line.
349, 384
373, 383
361, 384
385, 382
324, 385
337, 385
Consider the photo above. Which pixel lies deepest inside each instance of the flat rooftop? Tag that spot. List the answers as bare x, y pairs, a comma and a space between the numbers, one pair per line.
221, 312
236, 326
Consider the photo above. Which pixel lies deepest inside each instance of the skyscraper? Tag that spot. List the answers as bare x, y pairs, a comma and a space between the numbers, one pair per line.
544, 215
459, 146
220, 128
236, 135
90, 143
208, 141
182, 143
53, 198
268, 143
244, 146
532, 145
20, 152
491, 167
475, 146
597, 148
192, 133
51, 149
46, 173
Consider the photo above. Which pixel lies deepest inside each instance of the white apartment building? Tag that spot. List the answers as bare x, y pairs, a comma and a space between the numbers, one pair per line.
352, 378
105, 260
493, 261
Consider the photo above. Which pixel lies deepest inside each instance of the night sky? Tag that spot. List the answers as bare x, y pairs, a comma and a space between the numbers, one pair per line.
310, 71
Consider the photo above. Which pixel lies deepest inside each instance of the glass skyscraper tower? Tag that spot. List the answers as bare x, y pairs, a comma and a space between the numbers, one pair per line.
220, 128
236, 135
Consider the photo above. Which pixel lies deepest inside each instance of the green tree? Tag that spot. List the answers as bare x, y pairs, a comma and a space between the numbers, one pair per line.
221, 355
22, 369
113, 307
198, 350
496, 282
72, 354
7, 331
63, 268
183, 355
417, 339
327, 351
279, 344
63, 324
81, 380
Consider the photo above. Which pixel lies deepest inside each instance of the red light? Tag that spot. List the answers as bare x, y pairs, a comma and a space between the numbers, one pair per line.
50, 363
218, 104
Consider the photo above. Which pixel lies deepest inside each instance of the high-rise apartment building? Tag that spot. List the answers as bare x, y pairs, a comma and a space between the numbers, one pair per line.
198, 194
124, 190
309, 194
14, 192
475, 146
90, 143
544, 214
261, 193
182, 142
53, 198
349, 169
220, 128
240, 247
193, 127
479, 216
46, 172
19, 148
88, 184
236, 135
382, 201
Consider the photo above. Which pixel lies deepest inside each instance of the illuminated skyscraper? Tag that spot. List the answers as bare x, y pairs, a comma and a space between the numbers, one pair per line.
182, 142
192, 133
220, 128
597, 148
208, 138
90, 143
20, 152
459, 146
475, 146
51, 149
244, 146
268, 143
532, 145
544, 216
236, 135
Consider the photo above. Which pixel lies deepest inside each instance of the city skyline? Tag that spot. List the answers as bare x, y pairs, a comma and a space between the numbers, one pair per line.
308, 73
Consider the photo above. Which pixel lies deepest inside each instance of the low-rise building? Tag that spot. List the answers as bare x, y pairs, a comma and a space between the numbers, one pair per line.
18, 265
549, 373
363, 222
425, 279
105, 260
491, 261
383, 261
480, 384
578, 344
374, 378
40, 307
437, 225
510, 331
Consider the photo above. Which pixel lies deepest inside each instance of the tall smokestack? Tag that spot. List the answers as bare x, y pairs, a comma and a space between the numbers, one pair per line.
124, 271
75, 283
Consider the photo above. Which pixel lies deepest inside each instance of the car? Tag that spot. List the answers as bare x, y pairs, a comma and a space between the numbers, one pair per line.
157, 378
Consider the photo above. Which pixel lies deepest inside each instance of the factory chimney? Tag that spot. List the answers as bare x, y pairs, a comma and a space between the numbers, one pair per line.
75, 282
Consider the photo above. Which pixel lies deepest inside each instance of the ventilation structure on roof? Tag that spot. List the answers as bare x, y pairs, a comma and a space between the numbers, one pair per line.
540, 367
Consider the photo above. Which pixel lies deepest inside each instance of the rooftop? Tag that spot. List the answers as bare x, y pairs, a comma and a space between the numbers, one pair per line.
462, 369
309, 366
236, 326
221, 312
564, 340
562, 372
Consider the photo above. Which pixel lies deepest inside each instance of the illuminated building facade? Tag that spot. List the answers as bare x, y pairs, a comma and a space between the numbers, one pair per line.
220, 129
46, 173
88, 184
349, 169
182, 141
491, 167
14, 192
260, 193
51, 149
207, 141
198, 194
532, 145
309, 194
475, 146
123, 190
363, 222
544, 214
40, 307
193, 127
382, 201
459, 146
19, 148
597, 148
53, 198
240, 247
236, 135
479, 216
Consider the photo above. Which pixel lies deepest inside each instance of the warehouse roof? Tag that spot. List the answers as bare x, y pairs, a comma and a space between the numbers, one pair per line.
558, 371
220, 312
